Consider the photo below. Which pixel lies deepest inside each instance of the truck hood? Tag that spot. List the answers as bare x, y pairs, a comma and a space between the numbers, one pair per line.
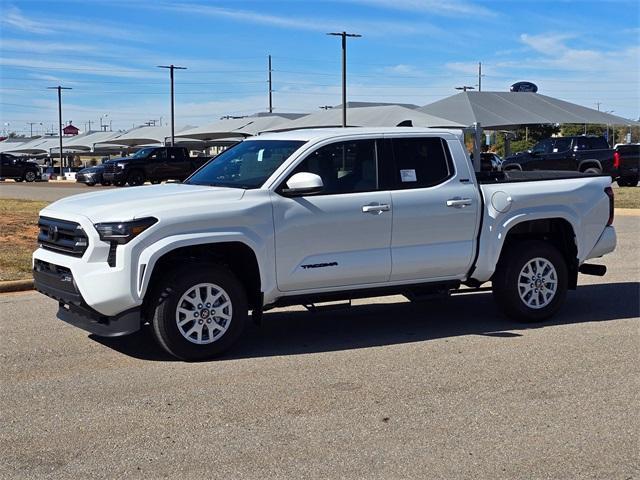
136, 202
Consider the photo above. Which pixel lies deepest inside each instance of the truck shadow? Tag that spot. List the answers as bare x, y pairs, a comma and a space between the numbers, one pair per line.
379, 324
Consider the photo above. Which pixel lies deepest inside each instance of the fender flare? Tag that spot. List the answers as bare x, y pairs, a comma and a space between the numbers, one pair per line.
148, 258
589, 161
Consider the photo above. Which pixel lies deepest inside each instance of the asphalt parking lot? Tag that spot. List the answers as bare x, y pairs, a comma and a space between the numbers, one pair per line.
45, 191
387, 389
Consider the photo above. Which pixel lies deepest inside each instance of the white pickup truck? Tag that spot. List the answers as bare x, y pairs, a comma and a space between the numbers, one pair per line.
308, 216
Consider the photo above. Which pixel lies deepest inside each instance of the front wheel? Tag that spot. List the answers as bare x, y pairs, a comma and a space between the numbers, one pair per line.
30, 176
90, 184
628, 182
200, 311
135, 178
530, 282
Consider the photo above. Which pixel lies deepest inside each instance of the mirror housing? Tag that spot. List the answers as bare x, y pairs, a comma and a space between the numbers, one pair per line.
303, 183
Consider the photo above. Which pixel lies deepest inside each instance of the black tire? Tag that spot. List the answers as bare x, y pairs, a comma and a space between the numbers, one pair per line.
593, 170
506, 289
155, 182
628, 182
135, 178
168, 293
30, 176
119, 183
18, 179
105, 184
90, 184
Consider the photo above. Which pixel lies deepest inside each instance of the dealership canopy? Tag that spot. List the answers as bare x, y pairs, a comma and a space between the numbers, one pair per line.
380, 116
146, 136
84, 143
239, 127
511, 109
36, 146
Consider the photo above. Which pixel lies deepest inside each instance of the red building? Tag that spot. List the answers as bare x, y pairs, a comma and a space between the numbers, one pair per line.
70, 130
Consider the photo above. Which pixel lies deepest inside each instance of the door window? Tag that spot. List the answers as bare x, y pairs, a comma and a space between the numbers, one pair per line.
345, 167
421, 162
562, 145
543, 147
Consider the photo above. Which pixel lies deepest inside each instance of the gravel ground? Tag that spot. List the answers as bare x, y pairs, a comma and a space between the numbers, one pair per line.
386, 389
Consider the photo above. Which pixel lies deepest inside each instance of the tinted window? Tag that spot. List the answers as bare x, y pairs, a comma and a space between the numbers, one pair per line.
543, 147
247, 164
562, 145
598, 143
344, 167
420, 162
176, 154
582, 143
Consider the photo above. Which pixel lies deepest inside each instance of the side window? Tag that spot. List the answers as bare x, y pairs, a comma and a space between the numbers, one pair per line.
562, 145
345, 167
598, 143
582, 143
543, 147
175, 155
421, 162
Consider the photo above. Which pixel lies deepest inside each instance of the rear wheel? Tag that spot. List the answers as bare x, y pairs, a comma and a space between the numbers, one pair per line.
199, 311
628, 182
593, 170
530, 282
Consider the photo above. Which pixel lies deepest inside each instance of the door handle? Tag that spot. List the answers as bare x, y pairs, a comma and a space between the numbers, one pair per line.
459, 202
377, 209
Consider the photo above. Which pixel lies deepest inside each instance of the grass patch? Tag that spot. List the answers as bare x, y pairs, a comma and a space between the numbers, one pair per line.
18, 237
627, 197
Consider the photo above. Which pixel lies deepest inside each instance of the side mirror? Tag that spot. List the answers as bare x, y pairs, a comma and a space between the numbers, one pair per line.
303, 183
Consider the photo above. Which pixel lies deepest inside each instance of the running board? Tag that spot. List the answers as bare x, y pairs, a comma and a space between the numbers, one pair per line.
591, 269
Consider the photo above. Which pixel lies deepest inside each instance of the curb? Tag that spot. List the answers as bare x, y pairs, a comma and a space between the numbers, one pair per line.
16, 286
629, 212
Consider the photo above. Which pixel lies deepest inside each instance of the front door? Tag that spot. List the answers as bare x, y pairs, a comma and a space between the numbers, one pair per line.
341, 236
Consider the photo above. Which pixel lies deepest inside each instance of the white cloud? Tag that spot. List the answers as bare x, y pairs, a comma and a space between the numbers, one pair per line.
431, 7
13, 18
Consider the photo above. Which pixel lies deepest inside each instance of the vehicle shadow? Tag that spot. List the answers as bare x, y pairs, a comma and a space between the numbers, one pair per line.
379, 324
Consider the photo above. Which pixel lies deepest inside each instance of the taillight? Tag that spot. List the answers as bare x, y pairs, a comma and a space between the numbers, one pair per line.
609, 192
616, 160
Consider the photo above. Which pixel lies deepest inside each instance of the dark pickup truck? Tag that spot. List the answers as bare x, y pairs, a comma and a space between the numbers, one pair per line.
18, 169
581, 153
626, 164
152, 164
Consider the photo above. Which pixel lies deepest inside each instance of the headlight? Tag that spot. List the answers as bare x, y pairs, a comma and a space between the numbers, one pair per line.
120, 165
123, 232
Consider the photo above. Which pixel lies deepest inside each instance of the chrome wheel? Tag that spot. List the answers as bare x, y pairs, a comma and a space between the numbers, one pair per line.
30, 176
537, 283
204, 313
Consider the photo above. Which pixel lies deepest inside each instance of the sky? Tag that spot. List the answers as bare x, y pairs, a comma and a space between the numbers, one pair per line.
411, 51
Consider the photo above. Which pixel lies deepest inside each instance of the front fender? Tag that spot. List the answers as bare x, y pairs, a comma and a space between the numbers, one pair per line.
151, 254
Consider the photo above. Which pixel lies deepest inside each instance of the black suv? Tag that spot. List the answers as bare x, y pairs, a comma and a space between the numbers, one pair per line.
581, 153
152, 164
17, 169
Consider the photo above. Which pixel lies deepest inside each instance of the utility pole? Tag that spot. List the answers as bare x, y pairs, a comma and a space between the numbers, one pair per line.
344, 36
89, 122
171, 68
31, 124
270, 88
464, 88
479, 76
598, 105
325, 107
59, 88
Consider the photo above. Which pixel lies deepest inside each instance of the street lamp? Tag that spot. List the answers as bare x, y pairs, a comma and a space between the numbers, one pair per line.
171, 69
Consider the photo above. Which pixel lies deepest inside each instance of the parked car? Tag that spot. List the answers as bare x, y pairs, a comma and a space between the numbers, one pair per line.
91, 176
18, 169
153, 164
582, 153
307, 216
626, 162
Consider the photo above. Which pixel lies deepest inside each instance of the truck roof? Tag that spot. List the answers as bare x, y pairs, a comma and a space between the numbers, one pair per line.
307, 134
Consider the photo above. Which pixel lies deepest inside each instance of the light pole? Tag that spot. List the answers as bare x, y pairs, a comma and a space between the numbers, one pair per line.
344, 36
171, 69
31, 124
464, 88
59, 88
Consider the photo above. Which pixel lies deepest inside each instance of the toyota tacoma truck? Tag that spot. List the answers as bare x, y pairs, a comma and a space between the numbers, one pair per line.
310, 216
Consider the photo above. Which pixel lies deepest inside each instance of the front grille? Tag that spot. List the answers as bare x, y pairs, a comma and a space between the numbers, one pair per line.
62, 236
110, 168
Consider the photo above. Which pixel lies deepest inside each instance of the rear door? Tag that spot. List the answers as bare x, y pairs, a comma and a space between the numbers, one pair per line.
435, 210
342, 236
178, 163
9, 167
561, 156
157, 166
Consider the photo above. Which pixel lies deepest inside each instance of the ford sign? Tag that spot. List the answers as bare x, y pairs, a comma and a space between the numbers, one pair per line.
524, 87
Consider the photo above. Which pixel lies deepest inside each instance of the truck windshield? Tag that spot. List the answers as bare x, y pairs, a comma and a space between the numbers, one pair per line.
245, 165
143, 153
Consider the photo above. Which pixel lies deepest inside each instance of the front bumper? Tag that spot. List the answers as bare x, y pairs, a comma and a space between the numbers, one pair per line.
58, 283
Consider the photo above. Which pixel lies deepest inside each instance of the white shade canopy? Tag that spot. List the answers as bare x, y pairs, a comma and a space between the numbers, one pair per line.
8, 145
84, 143
144, 136
238, 127
37, 145
511, 109
380, 116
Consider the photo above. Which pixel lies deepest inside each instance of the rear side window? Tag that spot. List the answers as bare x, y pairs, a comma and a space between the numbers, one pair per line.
420, 162
345, 167
562, 145
598, 143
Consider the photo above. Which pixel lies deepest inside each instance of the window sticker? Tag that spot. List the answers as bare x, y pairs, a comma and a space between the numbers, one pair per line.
408, 175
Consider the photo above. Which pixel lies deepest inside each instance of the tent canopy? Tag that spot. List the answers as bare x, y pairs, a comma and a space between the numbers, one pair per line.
380, 116
144, 136
84, 143
239, 127
36, 146
511, 109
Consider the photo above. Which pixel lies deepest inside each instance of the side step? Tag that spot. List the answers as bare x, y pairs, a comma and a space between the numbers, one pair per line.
327, 306
591, 269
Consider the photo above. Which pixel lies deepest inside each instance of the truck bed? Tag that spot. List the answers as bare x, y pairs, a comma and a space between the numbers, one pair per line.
515, 176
